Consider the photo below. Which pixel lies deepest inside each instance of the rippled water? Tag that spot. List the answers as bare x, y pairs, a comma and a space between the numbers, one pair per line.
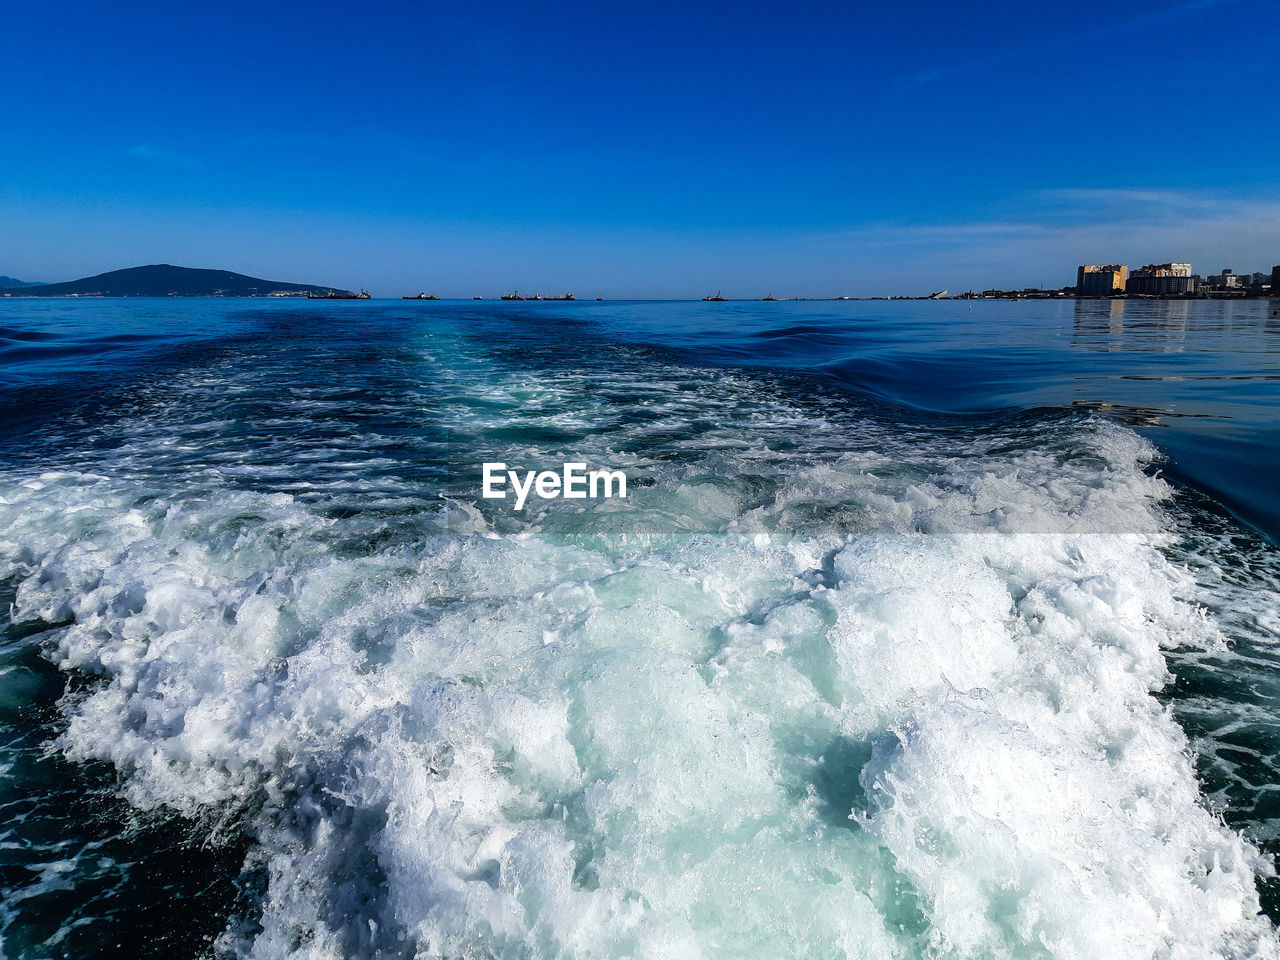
900, 646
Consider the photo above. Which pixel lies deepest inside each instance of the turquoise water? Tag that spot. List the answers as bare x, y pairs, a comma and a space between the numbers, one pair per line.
921, 632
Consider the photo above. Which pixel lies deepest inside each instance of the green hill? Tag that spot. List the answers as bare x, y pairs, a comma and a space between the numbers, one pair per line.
164, 280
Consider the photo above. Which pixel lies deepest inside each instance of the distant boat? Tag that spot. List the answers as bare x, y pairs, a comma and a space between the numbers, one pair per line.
477, 298
716, 299
769, 297
599, 298
332, 295
512, 296
567, 296
422, 296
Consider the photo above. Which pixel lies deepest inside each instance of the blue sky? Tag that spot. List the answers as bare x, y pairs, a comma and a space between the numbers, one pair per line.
657, 149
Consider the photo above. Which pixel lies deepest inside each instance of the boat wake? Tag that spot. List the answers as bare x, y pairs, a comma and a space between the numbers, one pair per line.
826, 684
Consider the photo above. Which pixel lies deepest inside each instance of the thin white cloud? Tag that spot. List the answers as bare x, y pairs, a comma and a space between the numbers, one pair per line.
1055, 230
1034, 238
932, 234
1136, 203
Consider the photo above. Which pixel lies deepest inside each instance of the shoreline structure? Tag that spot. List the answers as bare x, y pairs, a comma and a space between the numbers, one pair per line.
1166, 281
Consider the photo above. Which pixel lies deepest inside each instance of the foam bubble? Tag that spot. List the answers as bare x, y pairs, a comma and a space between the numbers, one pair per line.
893, 702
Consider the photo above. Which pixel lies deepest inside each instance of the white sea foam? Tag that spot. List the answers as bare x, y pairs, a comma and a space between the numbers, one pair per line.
936, 738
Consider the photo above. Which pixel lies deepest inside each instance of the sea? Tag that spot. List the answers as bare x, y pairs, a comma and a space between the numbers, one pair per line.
933, 630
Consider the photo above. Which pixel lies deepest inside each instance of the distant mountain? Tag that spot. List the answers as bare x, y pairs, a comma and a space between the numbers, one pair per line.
14, 282
164, 280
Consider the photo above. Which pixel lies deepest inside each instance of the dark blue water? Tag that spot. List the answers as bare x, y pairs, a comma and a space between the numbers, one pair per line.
893, 579
1199, 378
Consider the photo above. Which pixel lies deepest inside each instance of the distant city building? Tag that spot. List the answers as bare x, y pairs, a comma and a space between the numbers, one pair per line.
1167, 269
1226, 280
1231, 284
1161, 279
1101, 280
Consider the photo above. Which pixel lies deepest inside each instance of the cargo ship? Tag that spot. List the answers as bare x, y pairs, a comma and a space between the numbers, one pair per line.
422, 296
331, 295
716, 299
536, 296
